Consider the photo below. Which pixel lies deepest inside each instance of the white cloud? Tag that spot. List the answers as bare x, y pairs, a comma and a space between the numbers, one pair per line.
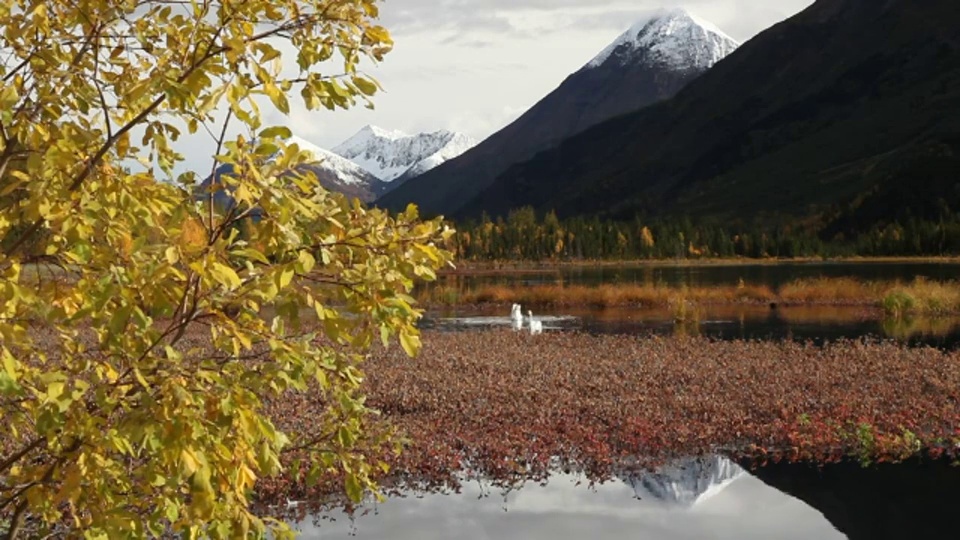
474, 65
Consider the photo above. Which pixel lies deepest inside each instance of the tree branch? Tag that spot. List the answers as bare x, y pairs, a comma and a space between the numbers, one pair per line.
8, 462
17, 521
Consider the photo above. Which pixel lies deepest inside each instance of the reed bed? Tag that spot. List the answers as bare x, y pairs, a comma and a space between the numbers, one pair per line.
844, 291
917, 297
509, 406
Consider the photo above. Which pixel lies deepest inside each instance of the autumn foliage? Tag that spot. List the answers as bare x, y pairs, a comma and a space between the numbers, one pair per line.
145, 327
508, 406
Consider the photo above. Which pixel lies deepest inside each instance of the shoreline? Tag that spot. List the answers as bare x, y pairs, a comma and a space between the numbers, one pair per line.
471, 267
919, 297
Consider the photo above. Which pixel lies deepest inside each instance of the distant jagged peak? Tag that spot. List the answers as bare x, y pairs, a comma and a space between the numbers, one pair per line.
346, 171
673, 37
377, 131
392, 154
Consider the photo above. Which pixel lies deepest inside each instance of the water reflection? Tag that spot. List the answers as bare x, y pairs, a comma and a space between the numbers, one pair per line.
711, 497
703, 275
686, 483
915, 499
706, 498
815, 323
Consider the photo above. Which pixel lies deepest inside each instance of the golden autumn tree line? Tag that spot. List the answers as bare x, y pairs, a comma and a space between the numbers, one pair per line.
524, 235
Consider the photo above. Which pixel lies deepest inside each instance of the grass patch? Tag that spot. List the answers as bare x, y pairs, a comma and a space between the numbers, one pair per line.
923, 296
830, 291
598, 296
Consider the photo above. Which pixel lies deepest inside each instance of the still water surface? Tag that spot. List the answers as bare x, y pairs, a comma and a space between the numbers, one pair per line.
698, 498
773, 275
815, 323
748, 322
702, 500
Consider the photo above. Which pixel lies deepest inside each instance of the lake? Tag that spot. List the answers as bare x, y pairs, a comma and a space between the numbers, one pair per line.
816, 323
707, 497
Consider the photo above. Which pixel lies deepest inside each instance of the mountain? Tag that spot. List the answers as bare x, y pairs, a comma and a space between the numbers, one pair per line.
337, 173
394, 156
650, 62
686, 482
334, 173
845, 114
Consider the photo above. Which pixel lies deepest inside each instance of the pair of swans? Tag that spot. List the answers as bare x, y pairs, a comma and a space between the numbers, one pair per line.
516, 314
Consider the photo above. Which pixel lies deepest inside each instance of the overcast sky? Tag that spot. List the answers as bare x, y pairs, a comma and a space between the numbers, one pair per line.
475, 65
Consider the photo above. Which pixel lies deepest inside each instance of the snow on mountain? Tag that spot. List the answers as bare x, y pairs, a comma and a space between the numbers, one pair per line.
390, 155
332, 171
674, 38
686, 482
345, 170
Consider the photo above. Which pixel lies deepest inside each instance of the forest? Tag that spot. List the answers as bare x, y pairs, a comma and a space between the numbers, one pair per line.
525, 236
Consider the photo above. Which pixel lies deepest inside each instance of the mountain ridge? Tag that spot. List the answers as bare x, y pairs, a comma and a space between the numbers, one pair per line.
393, 155
627, 79
878, 104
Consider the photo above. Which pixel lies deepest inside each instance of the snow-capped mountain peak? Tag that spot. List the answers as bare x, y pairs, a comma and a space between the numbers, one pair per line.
371, 130
389, 154
347, 171
674, 38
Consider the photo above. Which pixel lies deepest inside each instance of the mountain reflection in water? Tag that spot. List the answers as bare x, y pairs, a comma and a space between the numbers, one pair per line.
709, 497
698, 498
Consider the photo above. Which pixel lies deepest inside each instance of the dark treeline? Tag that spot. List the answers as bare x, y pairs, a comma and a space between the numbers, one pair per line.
525, 236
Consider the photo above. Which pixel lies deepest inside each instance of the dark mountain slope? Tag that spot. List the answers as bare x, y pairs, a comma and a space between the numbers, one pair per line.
829, 112
649, 63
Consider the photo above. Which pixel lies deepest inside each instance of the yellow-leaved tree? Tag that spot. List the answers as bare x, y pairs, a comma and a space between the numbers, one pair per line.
146, 325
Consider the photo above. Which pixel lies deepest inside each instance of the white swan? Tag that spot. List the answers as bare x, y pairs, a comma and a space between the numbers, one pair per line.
536, 327
517, 317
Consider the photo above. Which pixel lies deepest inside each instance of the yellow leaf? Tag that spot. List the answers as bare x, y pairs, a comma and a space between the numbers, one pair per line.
410, 343
225, 275
172, 255
9, 364
286, 276
188, 461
